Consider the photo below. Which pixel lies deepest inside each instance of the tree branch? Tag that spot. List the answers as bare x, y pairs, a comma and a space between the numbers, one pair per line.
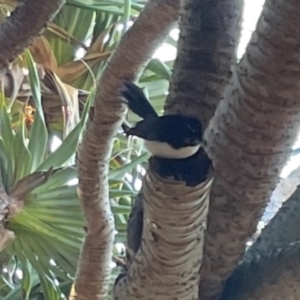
282, 230
26, 22
210, 32
283, 191
250, 137
135, 49
268, 277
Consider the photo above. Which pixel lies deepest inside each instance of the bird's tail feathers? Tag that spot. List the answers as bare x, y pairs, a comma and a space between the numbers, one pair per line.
137, 101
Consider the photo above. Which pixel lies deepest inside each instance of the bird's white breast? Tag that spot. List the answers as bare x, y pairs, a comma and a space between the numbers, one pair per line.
164, 150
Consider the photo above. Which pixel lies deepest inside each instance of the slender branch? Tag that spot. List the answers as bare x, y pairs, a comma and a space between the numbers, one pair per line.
25, 23
135, 49
250, 137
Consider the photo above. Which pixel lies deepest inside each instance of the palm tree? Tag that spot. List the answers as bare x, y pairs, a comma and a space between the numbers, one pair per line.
248, 137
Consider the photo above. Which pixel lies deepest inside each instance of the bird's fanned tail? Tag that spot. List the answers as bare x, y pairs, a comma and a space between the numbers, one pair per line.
137, 101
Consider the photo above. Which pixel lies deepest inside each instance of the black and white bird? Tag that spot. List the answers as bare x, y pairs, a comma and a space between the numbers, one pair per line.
168, 136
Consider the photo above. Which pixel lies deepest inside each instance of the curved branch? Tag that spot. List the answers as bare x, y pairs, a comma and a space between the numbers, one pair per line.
273, 276
25, 23
250, 137
135, 49
282, 230
210, 32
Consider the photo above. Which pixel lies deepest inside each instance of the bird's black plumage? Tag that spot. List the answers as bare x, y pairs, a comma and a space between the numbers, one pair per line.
137, 101
169, 136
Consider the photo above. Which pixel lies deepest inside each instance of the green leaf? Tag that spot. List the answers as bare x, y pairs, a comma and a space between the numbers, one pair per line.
47, 267
60, 260
120, 172
5, 129
121, 193
15, 294
27, 279
121, 209
113, 7
69, 145
171, 41
6, 145
120, 221
160, 68
6, 165
22, 155
38, 135
126, 16
25, 220
27, 271
58, 193
58, 179
51, 292
38, 142
34, 83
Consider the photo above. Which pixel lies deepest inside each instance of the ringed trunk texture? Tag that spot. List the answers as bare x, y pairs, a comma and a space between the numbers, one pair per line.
250, 137
270, 277
25, 23
134, 51
167, 264
209, 35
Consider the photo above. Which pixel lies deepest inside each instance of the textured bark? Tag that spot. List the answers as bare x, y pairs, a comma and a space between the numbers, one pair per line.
135, 225
167, 264
210, 32
282, 230
135, 49
25, 23
250, 137
284, 190
275, 276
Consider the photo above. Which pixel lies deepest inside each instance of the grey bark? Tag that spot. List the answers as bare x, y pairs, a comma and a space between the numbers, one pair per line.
24, 24
209, 35
272, 276
250, 137
281, 231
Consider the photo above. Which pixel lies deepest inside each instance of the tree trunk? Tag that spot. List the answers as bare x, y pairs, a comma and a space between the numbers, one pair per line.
27, 21
209, 34
135, 49
250, 137
167, 264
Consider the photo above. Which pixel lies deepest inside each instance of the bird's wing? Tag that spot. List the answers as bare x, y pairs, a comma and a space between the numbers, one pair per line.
144, 129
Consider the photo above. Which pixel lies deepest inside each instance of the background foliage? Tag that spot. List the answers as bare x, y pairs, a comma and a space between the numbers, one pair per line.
44, 105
